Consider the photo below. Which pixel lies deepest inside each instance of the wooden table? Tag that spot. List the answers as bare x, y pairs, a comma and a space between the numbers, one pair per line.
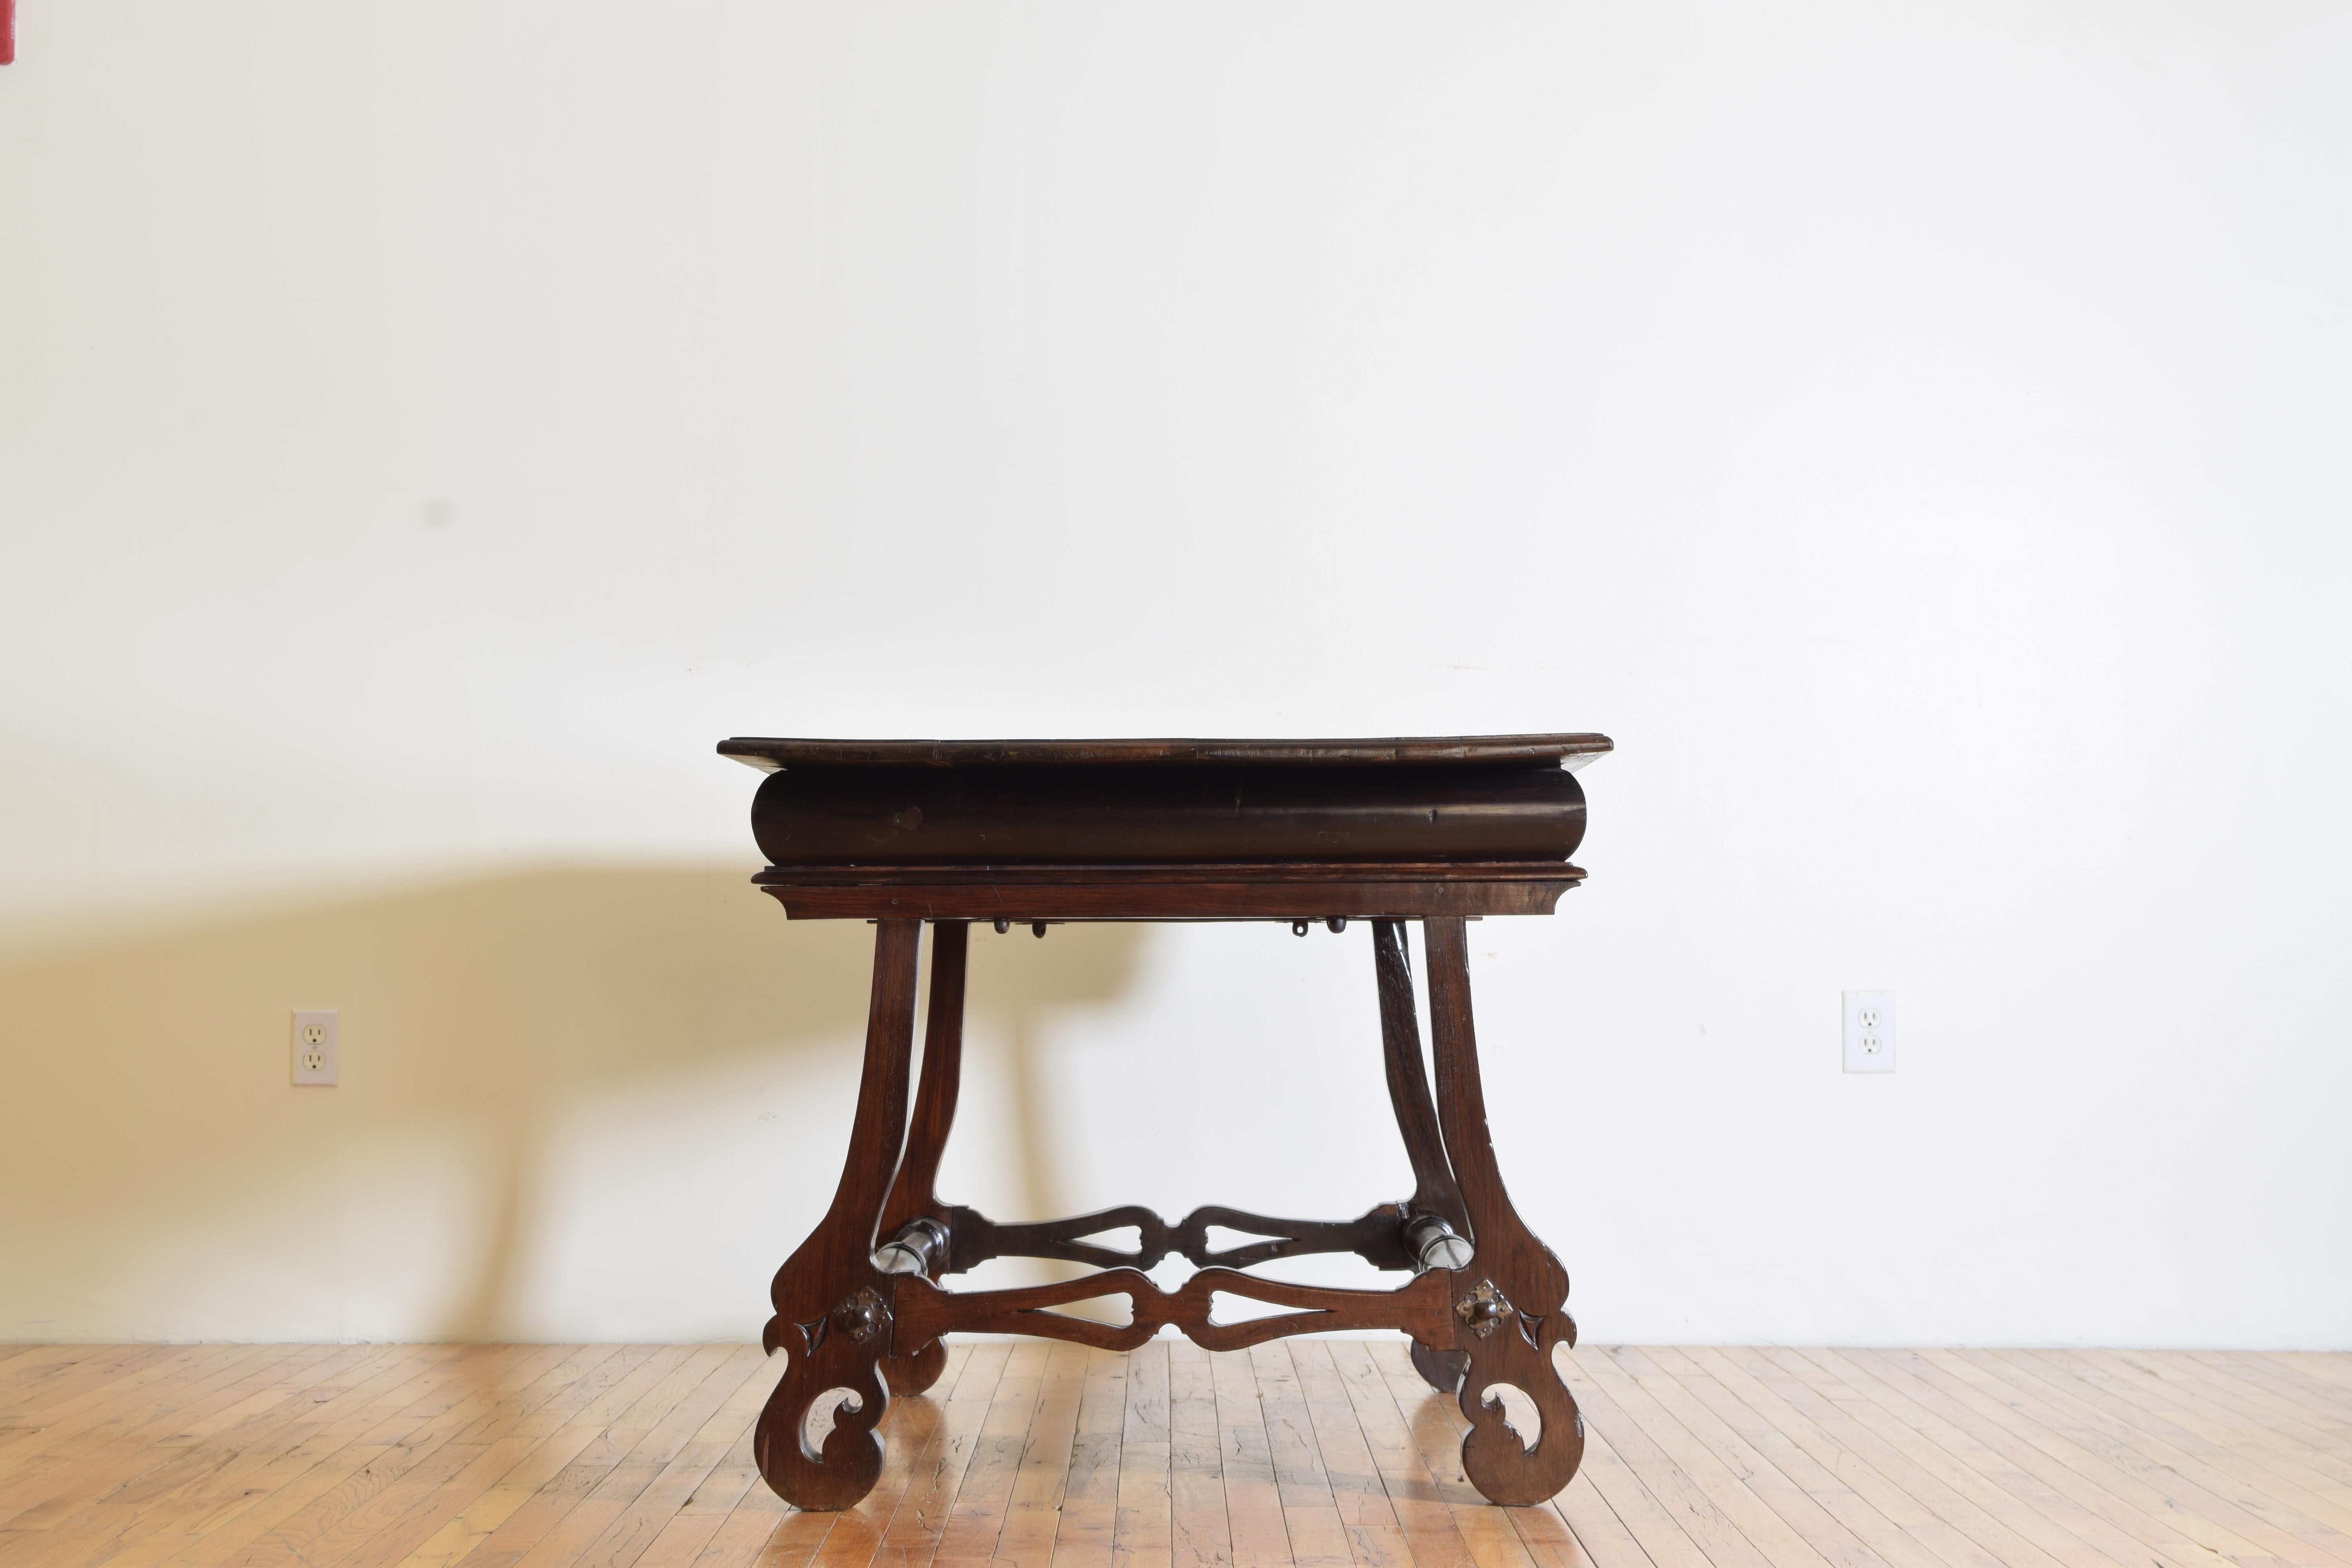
1035, 832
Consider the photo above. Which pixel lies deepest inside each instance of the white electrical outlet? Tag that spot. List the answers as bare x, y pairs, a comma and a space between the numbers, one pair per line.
1870, 1031
314, 1049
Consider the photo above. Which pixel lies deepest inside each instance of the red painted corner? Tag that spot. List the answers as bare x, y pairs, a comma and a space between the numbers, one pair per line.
7, 32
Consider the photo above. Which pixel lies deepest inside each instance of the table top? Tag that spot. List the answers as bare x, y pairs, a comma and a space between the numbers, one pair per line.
770, 753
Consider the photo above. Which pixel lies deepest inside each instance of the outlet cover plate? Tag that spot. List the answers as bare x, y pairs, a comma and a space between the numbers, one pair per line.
315, 1063
1870, 1031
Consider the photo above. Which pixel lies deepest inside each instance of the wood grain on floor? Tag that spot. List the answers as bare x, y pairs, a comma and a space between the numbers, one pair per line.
1308, 1454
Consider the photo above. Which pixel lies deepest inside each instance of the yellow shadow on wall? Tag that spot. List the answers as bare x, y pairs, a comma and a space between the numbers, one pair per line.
160, 1178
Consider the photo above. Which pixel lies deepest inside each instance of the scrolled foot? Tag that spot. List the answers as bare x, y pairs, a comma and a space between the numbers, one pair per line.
843, 1350
911, 1374
1442, 1369
1506, 1346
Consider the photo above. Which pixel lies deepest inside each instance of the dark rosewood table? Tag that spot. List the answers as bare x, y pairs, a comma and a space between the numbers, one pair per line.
1035, 832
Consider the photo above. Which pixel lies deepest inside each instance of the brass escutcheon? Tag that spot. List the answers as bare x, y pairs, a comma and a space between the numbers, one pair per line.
1483, 1308
863, 1315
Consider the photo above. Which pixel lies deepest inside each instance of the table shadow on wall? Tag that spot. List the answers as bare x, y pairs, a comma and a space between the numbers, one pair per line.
487, 1003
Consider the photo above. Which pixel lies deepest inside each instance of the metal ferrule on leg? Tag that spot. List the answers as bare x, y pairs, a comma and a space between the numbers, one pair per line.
1434, 1244
920, 1246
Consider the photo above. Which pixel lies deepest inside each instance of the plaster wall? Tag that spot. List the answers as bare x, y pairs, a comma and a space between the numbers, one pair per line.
1916, 433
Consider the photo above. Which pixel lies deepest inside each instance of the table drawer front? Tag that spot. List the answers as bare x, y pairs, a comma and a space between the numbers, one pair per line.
1014, 815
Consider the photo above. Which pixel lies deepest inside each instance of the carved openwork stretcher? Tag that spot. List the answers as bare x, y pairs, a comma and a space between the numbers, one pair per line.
907, 834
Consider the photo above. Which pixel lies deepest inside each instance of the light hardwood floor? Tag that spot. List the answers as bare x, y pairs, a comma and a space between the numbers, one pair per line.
1316, 1453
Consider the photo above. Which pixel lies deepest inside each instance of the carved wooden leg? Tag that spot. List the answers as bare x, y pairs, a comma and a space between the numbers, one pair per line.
915, 1195
1509, 1299
1434, 1188
833, 1305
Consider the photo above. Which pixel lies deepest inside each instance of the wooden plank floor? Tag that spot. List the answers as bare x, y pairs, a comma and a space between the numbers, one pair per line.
1310, 1454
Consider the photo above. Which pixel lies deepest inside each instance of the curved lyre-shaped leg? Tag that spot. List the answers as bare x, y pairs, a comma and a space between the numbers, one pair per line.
833, 1306
1510, 1301
1434, 1188
915, 1195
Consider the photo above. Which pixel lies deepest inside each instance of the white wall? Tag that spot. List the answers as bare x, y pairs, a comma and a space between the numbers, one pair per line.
1916, 433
